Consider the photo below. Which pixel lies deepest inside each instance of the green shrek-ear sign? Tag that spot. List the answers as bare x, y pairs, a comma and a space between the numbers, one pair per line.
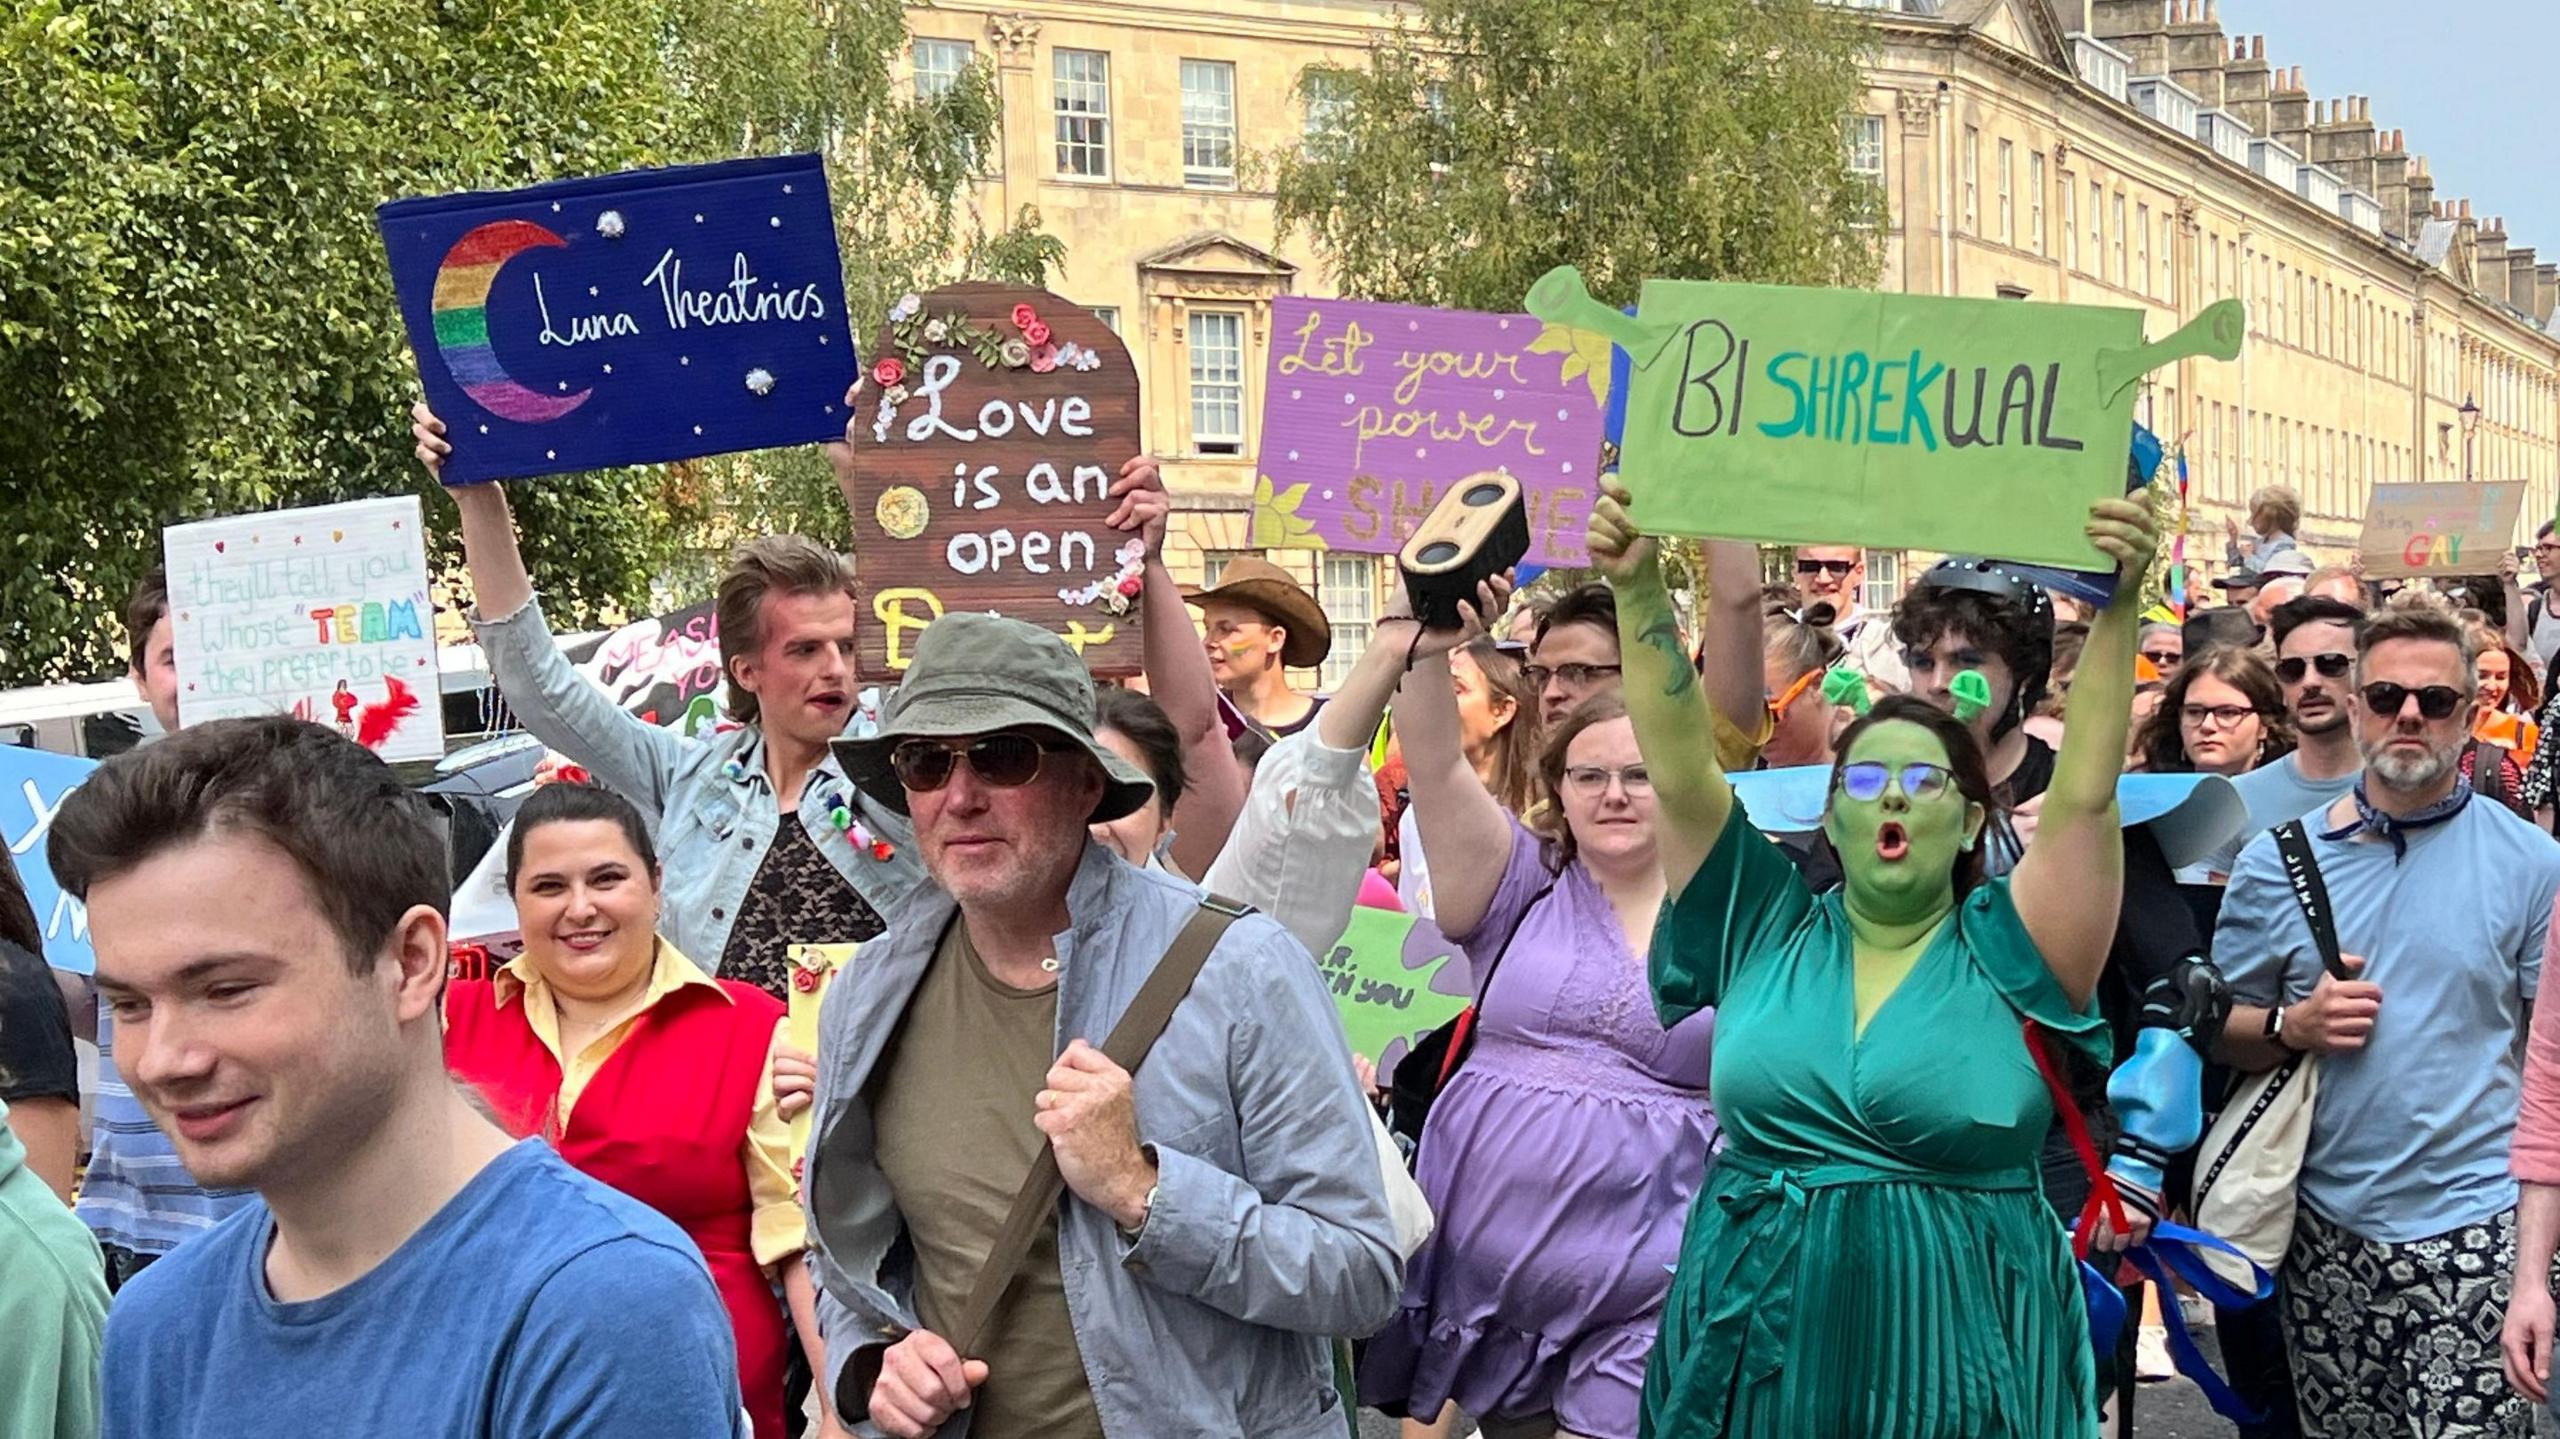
1764, 412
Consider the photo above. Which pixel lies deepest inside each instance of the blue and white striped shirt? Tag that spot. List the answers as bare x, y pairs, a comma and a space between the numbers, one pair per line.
135, 1194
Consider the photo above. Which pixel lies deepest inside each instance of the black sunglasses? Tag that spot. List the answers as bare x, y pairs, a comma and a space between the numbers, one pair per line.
2436, 702
1825, 567
2331, 666
1007, 761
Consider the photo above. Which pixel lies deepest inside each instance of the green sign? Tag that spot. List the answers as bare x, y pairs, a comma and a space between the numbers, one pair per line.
1394, 979
1763, 412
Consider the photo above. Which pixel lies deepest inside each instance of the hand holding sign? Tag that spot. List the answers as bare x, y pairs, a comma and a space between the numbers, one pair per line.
1762, 412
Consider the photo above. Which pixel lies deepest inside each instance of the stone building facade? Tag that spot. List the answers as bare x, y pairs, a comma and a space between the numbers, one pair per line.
2114, 152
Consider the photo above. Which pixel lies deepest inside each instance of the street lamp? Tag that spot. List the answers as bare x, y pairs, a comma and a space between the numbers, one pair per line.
2470, 414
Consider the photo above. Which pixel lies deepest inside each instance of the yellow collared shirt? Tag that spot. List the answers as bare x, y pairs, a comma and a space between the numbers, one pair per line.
780, 1229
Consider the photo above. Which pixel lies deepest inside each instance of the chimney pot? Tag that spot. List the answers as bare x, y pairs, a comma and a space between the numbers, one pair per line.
2211, 9
2257, 47
2319, 112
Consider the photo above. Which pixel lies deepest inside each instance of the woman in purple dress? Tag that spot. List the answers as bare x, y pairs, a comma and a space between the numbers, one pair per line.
1562, 1157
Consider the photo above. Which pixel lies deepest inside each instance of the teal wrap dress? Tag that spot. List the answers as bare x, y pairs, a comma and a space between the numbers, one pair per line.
1871, 1256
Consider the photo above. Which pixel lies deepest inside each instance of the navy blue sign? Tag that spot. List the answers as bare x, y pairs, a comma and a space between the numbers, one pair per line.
626, 319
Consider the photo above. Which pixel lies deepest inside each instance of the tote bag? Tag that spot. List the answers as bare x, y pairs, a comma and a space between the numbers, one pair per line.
2251, 1159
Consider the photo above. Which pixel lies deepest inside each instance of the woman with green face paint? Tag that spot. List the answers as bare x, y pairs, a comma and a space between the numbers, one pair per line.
1872, 1255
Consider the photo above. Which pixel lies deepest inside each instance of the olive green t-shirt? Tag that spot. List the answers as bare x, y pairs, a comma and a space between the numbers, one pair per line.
952, 1105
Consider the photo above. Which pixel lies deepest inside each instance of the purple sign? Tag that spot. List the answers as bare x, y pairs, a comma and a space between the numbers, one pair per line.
1369, 409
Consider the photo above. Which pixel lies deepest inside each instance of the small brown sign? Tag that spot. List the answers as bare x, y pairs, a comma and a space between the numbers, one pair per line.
988, 429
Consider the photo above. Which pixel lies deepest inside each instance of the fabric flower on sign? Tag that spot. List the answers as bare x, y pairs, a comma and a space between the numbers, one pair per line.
609, 224
804, 980
935, 332
760, 381
1015, 354
1088, 360
1044, 358
895, 394
1024, 317
907, 306
1037, 332
889, 370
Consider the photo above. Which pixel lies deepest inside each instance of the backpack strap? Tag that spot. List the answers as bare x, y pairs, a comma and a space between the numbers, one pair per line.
2302, 871
2103, 1198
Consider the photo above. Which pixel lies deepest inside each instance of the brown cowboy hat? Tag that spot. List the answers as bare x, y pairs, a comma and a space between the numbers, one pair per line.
1262, 586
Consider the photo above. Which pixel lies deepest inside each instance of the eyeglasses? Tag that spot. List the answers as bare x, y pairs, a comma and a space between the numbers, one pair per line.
1007, 761
1591, 780
1836, 568
1865, 780
1575, 676
2165, 659
2331, 666
2221, 716
2544, 547
2436, 702
1778, 703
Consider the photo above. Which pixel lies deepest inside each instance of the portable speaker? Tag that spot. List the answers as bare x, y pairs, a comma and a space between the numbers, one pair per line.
1479, 529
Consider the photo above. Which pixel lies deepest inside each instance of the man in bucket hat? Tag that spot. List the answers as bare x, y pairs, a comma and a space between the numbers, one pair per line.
1261, 624
1223, 1210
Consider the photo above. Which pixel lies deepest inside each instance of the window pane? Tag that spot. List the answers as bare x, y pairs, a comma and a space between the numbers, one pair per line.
1217, 381
1347, 587
939, 64
1208, 122
1081, 80
1328, 97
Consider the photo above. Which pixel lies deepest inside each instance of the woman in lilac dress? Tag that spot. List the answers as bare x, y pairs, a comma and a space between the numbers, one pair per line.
1562, 1157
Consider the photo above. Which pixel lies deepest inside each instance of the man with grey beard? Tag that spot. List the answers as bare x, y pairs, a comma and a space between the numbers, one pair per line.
2407, 1230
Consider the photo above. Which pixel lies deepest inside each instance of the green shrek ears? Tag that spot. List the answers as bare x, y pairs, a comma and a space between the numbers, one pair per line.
1972, 693
1846, 688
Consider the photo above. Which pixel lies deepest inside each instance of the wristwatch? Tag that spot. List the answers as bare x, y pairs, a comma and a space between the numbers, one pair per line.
2275, 1027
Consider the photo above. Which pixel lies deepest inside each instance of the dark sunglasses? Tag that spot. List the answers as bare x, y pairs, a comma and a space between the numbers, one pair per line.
2331, 666
2436, 702
1825, 567
2163, 659
1007, 761
1865, 780
1575, 676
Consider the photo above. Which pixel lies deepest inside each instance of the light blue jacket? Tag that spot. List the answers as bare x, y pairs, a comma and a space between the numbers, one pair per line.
709, 800
1269, 1234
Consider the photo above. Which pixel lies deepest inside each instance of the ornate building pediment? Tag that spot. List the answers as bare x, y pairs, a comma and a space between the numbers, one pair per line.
1215, 265
2025, 26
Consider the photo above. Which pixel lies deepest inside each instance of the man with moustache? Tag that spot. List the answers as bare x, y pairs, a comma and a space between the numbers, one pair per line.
268, 904
1836, 575
1223, 1215
2406, 1231
2315, 643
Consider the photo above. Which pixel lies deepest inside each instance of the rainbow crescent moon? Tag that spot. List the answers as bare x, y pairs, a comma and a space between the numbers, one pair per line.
461, 309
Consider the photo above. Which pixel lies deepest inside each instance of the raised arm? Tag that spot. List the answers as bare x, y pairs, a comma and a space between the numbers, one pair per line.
1458, 817
2069, 886
1731, 640
1178, 679
551, 699
1674, 727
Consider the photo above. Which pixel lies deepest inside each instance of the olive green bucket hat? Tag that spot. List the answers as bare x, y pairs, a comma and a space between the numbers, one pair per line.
976, 674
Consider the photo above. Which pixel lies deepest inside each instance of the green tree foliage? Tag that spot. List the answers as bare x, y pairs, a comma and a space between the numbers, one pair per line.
1490, 140
195, 314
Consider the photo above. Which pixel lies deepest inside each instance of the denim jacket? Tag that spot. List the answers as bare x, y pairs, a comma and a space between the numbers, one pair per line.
1269, 1232
709, 800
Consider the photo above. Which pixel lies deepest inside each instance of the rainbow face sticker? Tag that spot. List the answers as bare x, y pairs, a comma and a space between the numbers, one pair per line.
461, 309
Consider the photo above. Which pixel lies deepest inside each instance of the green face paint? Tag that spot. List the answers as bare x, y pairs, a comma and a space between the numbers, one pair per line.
1898, 854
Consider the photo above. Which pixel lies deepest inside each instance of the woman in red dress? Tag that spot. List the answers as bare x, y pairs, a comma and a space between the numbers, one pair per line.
647, 1073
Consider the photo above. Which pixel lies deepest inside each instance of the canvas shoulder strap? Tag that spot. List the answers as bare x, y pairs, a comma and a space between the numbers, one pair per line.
2302, 871
1127, 1047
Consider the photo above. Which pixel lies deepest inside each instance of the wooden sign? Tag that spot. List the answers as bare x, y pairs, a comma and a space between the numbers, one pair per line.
988, 430
2439, 529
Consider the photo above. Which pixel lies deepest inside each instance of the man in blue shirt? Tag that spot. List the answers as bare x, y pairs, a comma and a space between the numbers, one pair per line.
267, 903
2397, 1281
2315, 640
